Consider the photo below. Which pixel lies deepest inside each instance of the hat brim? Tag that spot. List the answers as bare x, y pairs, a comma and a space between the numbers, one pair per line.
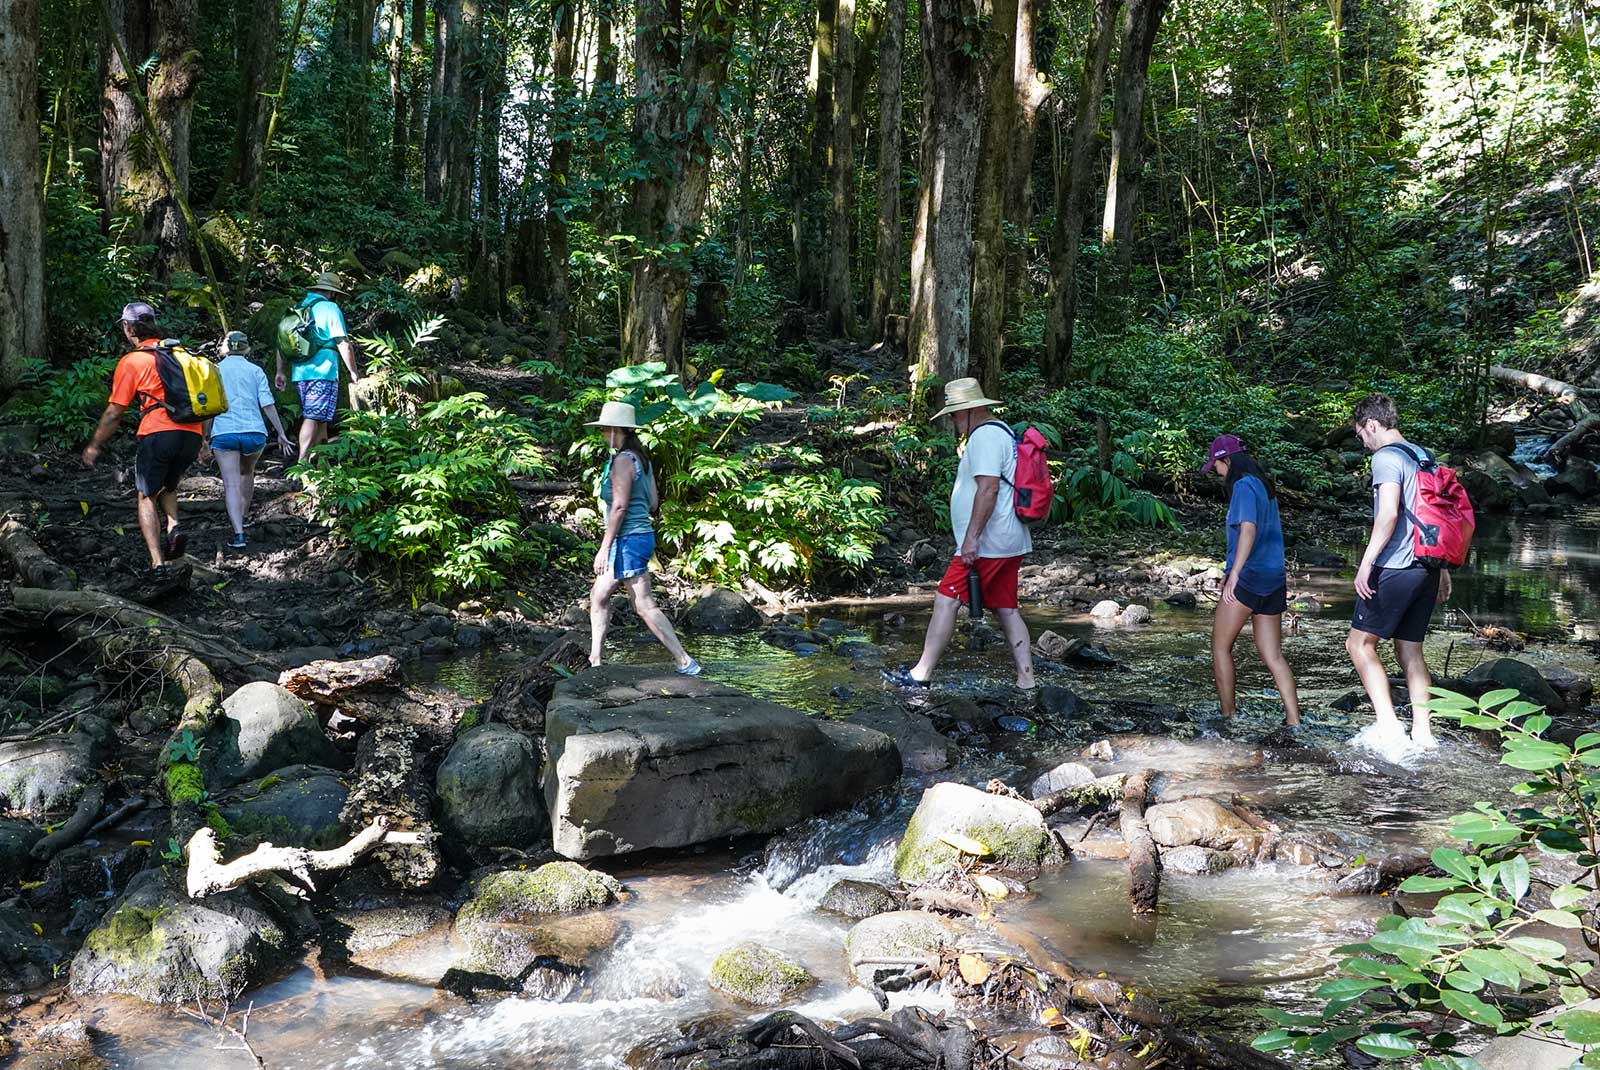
330, 290
603, 423
960, 406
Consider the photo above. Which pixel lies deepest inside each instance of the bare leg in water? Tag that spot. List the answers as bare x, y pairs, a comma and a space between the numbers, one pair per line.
1225, 628
1268, 634
1419, 685
1016, 632
1363, 650
941, 626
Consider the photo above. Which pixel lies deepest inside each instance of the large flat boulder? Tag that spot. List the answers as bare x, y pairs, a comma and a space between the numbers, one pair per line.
48, 773
642, 758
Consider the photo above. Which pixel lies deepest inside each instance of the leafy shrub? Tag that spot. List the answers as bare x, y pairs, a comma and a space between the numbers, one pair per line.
1097, 498
66, 403
429, 492
1416, 987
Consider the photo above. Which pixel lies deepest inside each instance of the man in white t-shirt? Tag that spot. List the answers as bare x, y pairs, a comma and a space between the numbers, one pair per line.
989, 538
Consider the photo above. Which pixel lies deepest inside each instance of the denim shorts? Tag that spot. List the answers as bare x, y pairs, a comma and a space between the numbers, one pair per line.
630, 555
248, 443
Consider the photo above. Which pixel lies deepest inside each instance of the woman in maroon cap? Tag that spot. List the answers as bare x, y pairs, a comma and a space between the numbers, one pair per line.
1256, 587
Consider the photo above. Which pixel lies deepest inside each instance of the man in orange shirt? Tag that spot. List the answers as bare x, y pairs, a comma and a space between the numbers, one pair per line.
166, 448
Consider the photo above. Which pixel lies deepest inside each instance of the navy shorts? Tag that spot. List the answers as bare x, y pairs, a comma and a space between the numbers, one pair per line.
248, 443
1401, 605
1266, 605
162, 459
630, 555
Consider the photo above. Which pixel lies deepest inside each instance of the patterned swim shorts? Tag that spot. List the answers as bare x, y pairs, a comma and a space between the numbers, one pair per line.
318, 398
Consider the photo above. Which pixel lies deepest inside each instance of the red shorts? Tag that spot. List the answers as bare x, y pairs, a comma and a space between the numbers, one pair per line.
997, 580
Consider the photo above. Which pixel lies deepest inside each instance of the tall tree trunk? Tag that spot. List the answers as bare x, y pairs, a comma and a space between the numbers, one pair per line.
487, 283
994, 163
1072, 189
941, 255
807, 211
258, 52
839, 299
22, 331
1031, 93
563, 94
445, 102
1140, 22
679, 66
417, 79
168, 28
464, 119
398, 101
886, 268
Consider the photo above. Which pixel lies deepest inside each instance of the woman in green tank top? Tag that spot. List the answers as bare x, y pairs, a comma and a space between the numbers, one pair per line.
628, 493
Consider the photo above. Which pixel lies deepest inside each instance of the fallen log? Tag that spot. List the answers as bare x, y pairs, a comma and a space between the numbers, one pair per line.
1557, 453
208, 874
519, 699
33, 566
1539, 384
330, 683
73, 828
390, 787
1144, 861
1382, 874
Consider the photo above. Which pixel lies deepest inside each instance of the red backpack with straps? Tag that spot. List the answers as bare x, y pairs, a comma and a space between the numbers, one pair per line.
1443, 522
1032, 489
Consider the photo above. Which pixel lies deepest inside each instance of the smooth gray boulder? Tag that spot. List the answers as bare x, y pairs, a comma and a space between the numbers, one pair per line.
642, 758
722, 612
488, 791
858, 899
16, 840
1203, 822
48, 773
1195, 860
922, 749
1574, 688
760, 976
297, 806
554, 912
1065, 775
263, 727
158, 945
898, 934
1520, 677
1014, 833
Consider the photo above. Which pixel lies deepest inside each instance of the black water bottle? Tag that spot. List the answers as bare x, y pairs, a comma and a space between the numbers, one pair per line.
974, 596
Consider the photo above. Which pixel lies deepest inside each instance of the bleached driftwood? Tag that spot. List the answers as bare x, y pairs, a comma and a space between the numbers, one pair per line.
1539, 384
209, 874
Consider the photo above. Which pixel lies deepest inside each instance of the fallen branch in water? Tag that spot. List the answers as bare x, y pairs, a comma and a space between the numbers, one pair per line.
913, 1039
221, 1026
1144, 861
73, 828
209, 874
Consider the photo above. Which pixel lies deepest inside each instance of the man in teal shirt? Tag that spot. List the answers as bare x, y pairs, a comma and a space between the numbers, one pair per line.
317, 377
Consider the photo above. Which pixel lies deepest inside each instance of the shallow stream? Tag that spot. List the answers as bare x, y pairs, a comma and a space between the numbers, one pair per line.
1219, 948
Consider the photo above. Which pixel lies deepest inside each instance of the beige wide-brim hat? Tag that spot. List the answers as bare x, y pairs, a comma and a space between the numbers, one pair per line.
330, 282
616, 414
962, 394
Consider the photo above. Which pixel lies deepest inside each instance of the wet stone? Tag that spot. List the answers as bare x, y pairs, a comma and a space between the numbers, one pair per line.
1195, 860
858, 899
760, 976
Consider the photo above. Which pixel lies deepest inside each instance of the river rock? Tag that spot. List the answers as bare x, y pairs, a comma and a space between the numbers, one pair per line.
722, 612
1106, 609
1576, 690
1052, 645
1056, 703
1134, 614
759, 976
922, 749
858, 899
264, 727
1520, 677
16, 840
158, 945
294, 807
899, 934
1195, 860
48, 773
1013, 831
27, 960
408, 940
488, 789
1576, 479
642, 758
554, 912
1065, 775
1201, 821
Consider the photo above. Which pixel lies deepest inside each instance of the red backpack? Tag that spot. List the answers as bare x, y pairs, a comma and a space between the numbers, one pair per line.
1443, 523
1033, 489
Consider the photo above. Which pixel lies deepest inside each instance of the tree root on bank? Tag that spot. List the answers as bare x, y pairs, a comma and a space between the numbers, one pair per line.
1095, 795
208, 874
73, 828
390, 787
33, 566
1557, 453
520, 698
913, 1039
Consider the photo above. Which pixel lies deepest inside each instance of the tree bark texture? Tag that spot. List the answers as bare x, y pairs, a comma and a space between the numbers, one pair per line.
886, 257
399, 103
165, 28
1031, 93
487, 282
22, 334
258, 54
841, 172
1141, 19
994, 168
809, 231
680, 64
941, 257
563, 94
1072, 193
445, 102
464, 117
1144, 861
417, 80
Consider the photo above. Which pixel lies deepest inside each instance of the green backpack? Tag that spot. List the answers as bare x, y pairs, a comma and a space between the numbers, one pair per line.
298, 337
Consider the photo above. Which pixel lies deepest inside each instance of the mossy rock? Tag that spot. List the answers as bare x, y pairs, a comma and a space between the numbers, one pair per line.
553, 888
761, 976
294, 807
402, 264
516, 917
430, 280
1013, 831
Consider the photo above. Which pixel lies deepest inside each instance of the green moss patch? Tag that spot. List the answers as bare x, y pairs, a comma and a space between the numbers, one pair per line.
759, 975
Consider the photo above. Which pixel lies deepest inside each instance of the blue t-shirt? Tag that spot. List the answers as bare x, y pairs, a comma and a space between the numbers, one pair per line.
1263, 571
327, 321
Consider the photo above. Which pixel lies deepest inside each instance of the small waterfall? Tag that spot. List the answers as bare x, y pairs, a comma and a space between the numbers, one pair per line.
111, 883
1529, 453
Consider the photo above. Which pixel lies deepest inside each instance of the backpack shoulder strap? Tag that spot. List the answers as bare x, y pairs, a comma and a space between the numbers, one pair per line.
155, 352
1422, 465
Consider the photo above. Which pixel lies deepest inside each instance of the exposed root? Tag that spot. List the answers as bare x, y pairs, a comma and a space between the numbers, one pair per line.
209, 874
73, 828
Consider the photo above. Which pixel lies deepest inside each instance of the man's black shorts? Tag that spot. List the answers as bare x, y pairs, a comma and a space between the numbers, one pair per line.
1266, 605
1401, 604
163, 458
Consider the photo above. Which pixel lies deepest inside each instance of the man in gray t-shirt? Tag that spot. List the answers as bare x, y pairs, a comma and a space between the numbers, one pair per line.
1395, 593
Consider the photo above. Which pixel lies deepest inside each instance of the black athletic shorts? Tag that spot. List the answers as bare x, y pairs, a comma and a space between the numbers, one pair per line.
1401, 604
1267, 605
163, 458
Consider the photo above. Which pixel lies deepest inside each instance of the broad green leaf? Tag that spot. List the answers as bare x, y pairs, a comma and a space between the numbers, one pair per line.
1471, 1008
1568, 895
1464, 980
765, 392
1387, 1046
1579, 1027
1420, 883
1537, 948
1492, 966
1534, 754
1515, 877
1494, 698
1273, 1040
1454, 863
1561, 919
1391, 971
1347, 988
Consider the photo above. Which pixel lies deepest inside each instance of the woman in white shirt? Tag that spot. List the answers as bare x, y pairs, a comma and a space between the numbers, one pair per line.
238, 436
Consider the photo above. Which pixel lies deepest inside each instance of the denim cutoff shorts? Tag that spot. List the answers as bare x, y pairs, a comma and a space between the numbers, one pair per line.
247, 443
630, 555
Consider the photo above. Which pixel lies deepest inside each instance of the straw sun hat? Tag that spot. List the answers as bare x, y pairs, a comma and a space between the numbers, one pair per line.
616, 414
962, 394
